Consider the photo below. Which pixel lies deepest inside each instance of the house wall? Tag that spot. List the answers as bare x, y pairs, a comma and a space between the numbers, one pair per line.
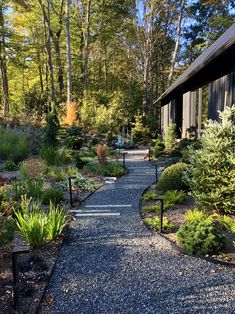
220, 93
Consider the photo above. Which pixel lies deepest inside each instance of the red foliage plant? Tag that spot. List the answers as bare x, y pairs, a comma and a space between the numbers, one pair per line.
102, 154
4, 181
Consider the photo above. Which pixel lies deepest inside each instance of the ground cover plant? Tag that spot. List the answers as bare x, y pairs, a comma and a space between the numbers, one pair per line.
154, 223
199, 235
113, 169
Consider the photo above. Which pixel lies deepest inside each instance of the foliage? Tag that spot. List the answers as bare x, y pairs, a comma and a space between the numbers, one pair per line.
71, 113
36, 226
154, 223
174, 197
152, 209
149, 196
81, 162
7, 228
13, 146
112, 169
51, 129
172, 178
10, 165
56, 222
32, 169
84, 184
139, 132
184, 143
215, 163
170, 137
4, 181
52, 195
159, 147
54, 157
74, 137
32, 225
199, 235
175, 153
226, 222
31, 188
61, 173
102, 153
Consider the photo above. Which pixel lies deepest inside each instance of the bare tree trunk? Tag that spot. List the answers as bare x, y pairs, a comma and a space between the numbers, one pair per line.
88, 13
69, 66
178, 35
5, 87
49, 56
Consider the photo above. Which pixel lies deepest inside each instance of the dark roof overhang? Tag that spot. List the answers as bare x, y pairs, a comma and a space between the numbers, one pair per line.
215, 62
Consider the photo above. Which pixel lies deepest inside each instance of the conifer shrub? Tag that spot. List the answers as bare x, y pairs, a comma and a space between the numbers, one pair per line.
172, 178
211, 175
51, 129
170, 137
199, 235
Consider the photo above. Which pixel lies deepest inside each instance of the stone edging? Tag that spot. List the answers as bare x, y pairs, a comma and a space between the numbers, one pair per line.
179, 249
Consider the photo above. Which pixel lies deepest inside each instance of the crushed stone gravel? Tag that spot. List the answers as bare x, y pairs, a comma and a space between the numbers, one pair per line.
116, 265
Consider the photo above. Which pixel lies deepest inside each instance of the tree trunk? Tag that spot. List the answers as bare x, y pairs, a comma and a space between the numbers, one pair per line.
5, 88
48, 49
88, 13
178, 34
69, 67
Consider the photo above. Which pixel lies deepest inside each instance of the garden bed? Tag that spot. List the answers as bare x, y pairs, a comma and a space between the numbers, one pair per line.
176, 219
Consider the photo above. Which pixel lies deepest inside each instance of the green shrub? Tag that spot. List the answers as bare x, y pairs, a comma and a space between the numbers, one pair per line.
13, 146
170, 138
149, 196
7, 229
56, 222
212, 172
152, 209
32, 225
226, 222
32, 169
31, 188
172, 178
80, 162
53, 195
61, 173
112, 169
51, 129
174, 197
74, 138
50, 155
184, 143
199, 235
84, 184
154, 223
175, 153
10, 165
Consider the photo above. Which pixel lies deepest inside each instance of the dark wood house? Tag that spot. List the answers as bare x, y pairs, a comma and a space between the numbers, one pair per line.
214, 72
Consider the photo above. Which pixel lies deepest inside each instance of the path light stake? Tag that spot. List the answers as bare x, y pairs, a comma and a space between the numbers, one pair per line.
124, 159
149, 153
156, 173
161, 215
15, 270
70, 190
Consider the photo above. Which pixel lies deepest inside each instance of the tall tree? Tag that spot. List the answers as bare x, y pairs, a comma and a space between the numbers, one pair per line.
69, 63
3, 64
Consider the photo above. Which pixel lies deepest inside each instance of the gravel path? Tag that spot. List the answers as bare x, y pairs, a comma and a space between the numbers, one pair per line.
113, 264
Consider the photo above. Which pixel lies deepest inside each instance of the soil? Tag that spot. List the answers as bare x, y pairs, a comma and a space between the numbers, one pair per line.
176, 217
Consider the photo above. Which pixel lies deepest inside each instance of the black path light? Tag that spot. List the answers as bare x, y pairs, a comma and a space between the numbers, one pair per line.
161, 201
149, 153
156, 169
124, 159
15, 270
70, 189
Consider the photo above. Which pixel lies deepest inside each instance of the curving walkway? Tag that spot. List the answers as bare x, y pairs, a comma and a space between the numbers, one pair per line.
112, 264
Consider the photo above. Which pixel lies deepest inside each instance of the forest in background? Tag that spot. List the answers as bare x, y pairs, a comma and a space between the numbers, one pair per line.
108, 60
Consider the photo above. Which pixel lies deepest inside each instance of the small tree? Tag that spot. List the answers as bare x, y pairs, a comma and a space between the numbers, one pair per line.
170, 138
51, 129
212, 172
